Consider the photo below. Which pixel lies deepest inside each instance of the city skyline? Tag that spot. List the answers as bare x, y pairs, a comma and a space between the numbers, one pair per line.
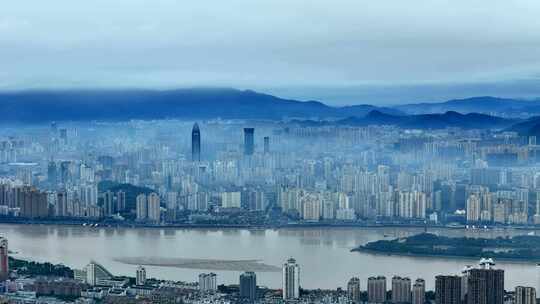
270, 152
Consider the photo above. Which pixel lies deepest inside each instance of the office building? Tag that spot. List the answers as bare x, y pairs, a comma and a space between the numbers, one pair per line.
376, 288
353, 290
52, 173
140, 276
291, 280
248, 286
196, 143
4, 259
447, 290
249, 141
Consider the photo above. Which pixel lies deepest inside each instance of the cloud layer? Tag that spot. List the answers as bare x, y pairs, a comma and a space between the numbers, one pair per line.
268, 43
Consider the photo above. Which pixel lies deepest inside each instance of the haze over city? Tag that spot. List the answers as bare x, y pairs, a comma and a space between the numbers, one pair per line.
269, 152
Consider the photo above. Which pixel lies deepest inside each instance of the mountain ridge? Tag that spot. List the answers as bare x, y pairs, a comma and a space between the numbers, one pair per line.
196, 103
36, 106
478, 104
421, 121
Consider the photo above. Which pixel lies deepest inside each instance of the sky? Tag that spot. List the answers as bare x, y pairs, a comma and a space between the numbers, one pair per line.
337, 51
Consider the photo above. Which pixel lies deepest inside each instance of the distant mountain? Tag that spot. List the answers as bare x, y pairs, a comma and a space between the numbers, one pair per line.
43, 106
529, 127
485, 104
423, 121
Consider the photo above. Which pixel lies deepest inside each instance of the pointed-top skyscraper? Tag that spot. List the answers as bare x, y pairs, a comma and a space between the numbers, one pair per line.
196, 143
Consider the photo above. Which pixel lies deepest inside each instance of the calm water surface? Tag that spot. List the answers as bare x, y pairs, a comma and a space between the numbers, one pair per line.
323, 254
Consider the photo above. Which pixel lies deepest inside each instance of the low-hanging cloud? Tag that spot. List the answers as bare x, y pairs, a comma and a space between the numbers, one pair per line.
266, 43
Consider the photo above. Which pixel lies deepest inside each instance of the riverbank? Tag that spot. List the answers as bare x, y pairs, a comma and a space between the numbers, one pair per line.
321, 224
441, 256
525, 248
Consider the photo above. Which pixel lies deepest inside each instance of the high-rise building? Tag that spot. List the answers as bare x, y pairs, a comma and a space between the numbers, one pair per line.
140, 276
291, 280
376, 288
196, 143
34, 203
312, 207
485, 285
448, 290
419, 292
248, 286
61, 207
353, 290
142, 207
249, 141
473, 208
94, 274
153, 207
63, 136
401, 290
207, 282
108, 203
525, 295
52, 173
231, 199
266, 145
4, 259
120, 201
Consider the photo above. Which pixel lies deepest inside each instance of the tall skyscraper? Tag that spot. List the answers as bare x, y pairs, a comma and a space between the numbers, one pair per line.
525, 295
376, 289
291, 280
485, 285
266, 145
248, 286
108, 203
447, 290
154, 202
249, 141
120, 201
52, 173
419, 292
4, 259
401, 290
196, 143
142, 207
353, 290
140, 277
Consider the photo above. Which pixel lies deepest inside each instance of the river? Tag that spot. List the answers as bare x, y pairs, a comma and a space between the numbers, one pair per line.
323, 253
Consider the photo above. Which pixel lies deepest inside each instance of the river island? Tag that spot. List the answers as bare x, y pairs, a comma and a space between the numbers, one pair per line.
524, 248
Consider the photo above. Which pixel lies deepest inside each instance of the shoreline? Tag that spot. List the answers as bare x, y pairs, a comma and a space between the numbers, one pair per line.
132, 225
439, 256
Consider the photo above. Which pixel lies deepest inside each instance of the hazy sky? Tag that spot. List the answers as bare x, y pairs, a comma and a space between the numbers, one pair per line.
341, 51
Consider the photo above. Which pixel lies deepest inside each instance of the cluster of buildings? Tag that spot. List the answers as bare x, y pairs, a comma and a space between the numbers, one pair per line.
270, 174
